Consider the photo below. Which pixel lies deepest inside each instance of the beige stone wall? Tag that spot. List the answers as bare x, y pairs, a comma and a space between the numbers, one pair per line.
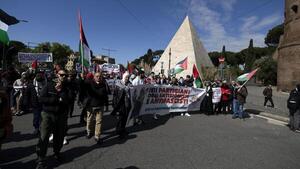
288, 72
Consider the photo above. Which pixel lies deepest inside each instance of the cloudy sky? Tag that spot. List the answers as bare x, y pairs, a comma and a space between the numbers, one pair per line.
131, 27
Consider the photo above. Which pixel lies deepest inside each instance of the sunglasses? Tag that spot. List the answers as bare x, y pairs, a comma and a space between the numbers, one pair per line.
62, 75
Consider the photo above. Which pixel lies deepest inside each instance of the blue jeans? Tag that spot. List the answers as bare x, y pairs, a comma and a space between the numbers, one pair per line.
240, 109
37, 117
235, 108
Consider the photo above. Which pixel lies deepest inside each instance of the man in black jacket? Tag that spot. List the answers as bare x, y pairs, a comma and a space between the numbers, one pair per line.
268, 95
54, 98
97, 95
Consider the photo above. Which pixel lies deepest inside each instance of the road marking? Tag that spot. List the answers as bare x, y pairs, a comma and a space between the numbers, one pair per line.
272, 121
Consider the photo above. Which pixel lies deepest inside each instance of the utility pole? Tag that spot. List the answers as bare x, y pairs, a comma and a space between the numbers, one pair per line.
170, 61
109, 50
28, 44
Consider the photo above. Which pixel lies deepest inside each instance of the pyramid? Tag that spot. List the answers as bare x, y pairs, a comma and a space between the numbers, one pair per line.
185, 43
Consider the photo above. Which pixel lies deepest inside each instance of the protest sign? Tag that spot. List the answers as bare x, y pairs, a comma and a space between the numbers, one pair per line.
161, 99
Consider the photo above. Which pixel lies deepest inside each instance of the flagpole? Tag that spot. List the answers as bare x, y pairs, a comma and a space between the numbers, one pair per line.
243, 84
247, 80
81, 54
3, 59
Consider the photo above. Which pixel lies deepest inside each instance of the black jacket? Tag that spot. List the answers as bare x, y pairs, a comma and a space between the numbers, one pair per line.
30, 98
97, 94
50, 98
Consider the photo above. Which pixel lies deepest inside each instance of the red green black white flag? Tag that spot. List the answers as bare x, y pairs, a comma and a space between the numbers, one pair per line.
181, 66
84, 50
196, 74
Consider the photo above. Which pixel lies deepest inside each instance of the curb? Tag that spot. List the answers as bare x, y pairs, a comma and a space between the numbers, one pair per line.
269, 115
276, 117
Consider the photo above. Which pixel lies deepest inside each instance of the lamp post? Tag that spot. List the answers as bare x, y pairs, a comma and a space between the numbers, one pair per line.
170, 53
162, 68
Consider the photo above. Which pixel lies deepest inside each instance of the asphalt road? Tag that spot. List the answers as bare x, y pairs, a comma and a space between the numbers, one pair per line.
196, 142
255, 100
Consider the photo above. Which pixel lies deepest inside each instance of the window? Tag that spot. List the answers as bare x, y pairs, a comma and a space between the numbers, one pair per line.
295, 8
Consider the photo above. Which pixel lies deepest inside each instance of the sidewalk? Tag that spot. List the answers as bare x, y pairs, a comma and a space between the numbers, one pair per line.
255, 101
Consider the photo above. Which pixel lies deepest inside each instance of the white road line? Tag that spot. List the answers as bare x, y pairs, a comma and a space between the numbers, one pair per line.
272, 121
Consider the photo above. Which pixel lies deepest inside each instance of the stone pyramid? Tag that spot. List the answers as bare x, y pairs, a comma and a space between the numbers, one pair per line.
185, 43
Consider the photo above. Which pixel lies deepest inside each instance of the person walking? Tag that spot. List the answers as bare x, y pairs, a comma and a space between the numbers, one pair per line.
39, 82
54, 98
73, 87
6, 127
268, 95
97, 94
122, 104
293, 104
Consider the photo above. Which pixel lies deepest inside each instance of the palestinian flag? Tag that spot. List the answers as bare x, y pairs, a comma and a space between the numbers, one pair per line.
246, 76
130, 67
181, 66
198, 81
5, 21
84, 50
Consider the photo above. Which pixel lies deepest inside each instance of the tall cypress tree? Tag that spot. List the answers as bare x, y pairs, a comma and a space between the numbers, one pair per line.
250, 57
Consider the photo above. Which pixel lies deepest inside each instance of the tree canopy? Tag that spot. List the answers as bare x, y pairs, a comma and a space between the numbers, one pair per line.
273, 36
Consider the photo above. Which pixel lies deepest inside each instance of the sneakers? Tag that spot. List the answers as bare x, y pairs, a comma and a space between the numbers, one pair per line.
187, 114
88, 136
65, 141
98, 141
297, 131
51, 138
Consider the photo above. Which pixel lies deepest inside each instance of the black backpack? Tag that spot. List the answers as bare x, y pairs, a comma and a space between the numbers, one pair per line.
293, 102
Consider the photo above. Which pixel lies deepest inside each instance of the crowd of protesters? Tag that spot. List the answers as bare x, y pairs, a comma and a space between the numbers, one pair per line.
50, 97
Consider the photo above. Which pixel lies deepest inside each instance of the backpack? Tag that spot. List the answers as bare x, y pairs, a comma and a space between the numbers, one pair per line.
293, 102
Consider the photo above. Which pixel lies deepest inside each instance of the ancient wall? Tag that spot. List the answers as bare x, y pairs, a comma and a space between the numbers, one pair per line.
288, 72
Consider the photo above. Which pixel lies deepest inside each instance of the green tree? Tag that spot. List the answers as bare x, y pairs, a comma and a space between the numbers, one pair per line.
12, 52
214, 57
250, 57
273, 36
268, 70
60, 52
148, 57
44, 47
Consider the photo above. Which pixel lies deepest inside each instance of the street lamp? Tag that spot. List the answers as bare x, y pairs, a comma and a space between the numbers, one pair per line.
162, 68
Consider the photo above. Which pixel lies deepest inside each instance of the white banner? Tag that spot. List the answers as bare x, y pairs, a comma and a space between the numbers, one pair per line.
161, 99
30, 57
217, 93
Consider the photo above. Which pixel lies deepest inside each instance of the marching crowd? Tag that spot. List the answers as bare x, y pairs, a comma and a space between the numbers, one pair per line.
50, 96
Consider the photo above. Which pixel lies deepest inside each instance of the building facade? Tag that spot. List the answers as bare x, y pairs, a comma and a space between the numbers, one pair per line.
288, 71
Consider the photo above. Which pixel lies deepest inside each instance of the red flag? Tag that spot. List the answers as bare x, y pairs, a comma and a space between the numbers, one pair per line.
130, 68
195, 72
249, 76
197, 77
34, 64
